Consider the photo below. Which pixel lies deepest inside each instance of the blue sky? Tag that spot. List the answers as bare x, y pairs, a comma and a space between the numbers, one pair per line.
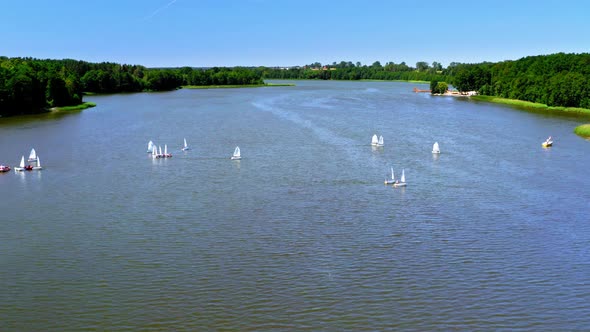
172, 33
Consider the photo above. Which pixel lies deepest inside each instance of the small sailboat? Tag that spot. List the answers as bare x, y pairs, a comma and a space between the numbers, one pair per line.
402, 181
160, 154
237, 155
166, 154
155, 153
374, 140
185, 147
380, 142
21, 166
151, 147
435, 148
548, 142
32, 155
392, 181
38, 167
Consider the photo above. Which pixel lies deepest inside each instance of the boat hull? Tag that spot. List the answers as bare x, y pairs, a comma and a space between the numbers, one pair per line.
546, 145
399, 184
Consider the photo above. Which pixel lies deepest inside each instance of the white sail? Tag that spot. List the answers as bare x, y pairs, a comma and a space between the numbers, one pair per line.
380, 142
392, 176
38, 164
22, 162
374, 140
403, 178
165, 149
160, 150
150, 147
154, 152
33, 155
435, 148
237, 154
185, 147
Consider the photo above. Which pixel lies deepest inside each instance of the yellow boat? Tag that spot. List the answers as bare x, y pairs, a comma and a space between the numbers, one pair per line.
547, 144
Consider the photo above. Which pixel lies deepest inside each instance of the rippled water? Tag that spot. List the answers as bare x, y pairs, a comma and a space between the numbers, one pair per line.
301, 234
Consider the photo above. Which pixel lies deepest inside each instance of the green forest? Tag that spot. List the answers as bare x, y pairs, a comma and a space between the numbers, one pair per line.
30, 85
555, 80
351, 71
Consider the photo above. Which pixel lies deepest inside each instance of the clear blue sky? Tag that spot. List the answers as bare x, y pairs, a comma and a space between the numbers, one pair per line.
171, 33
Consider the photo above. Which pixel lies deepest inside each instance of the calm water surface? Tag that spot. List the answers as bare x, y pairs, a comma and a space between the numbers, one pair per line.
301, 234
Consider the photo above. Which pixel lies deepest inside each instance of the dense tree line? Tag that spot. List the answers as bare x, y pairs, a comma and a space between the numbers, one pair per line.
556, 80
350, 71
30, 85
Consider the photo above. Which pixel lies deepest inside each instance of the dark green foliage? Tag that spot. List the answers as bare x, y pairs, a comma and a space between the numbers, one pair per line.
556, 80
349, 71
438, 87
30, 85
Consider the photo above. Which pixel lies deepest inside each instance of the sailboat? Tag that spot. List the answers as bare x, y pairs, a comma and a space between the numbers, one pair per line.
374, 140
38, 167
155, 152
380, 142
185, 147
22, 166
548, 142
435, 148
402, 181
237, 155
392, 181
151, 147
166, 154
160, 155
33, 155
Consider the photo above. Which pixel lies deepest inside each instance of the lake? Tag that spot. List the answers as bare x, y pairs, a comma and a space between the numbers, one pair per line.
302, 233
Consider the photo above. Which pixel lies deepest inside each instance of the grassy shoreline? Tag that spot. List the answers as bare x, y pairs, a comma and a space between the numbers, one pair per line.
235, 86
583, 130
74, 107
531, 105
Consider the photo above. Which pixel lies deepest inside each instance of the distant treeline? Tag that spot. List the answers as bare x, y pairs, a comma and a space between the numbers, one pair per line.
30, 85
555, 80
350, 71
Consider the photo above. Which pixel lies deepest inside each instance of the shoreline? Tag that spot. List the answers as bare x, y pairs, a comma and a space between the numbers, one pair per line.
532, 105
236, 86
583, 131
78, 107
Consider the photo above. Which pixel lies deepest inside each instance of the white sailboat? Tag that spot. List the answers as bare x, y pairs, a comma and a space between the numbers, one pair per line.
402, 181
166, 154
374, 140
33, 155
392, 181
38, 167
185, 147
380, 142
237, 155
160, 151
155, 152
21, 167
151, 147
435, 148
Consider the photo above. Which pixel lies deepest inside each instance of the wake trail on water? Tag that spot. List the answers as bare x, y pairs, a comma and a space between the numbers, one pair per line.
323, 134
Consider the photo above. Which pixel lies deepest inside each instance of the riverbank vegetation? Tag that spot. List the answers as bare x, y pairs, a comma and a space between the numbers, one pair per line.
30, 85
559, 82
583, 130
556, 80
350, 71
235, 86
75, 107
